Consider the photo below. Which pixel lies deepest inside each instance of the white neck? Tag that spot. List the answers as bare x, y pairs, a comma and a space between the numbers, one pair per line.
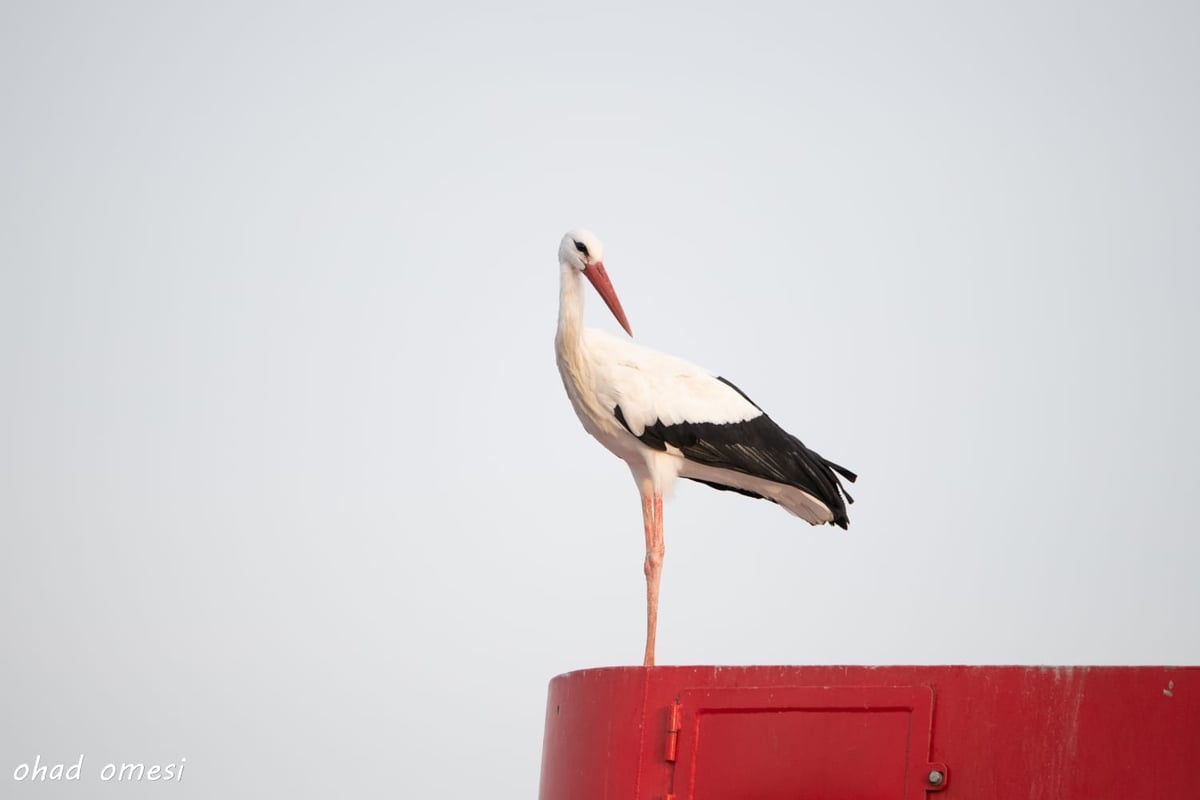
570, 311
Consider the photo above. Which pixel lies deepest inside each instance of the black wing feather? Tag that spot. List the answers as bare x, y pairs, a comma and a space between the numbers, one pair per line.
756, 447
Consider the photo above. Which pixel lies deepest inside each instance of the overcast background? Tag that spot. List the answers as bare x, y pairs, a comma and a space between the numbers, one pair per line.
289, 486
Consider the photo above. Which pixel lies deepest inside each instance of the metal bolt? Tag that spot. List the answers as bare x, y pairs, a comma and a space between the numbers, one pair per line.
936, 777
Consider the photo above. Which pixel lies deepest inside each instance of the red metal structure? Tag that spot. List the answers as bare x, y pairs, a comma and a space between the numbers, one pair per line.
873, 733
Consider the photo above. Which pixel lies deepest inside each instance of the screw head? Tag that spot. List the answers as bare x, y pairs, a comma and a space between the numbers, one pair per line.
936, 777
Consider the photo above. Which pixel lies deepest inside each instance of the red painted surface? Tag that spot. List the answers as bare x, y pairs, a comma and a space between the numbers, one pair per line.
873, 733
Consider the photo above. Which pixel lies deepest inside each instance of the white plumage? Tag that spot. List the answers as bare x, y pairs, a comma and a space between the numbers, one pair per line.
652, 386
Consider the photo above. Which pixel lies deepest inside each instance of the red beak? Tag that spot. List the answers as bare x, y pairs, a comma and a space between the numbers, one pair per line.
599, 277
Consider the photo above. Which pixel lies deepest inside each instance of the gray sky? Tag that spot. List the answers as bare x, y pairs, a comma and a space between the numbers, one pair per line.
289, 486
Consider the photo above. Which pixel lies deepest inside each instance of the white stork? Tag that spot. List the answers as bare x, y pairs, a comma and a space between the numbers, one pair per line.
668, 418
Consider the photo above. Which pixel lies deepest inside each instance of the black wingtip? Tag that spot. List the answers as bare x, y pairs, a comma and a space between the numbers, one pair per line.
845, 473
841, 519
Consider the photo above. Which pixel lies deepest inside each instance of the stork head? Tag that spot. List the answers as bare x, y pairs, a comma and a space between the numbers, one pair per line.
583, 252
579, 248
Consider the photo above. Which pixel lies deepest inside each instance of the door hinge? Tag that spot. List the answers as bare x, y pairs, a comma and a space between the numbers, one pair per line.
673, 717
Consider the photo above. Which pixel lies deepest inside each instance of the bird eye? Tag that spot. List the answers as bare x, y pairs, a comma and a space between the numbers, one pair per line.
581, 247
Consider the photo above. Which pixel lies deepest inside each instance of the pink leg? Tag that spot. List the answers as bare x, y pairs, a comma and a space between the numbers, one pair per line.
652, 517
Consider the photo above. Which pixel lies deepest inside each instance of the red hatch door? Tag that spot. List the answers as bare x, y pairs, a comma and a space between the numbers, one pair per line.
804, 743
